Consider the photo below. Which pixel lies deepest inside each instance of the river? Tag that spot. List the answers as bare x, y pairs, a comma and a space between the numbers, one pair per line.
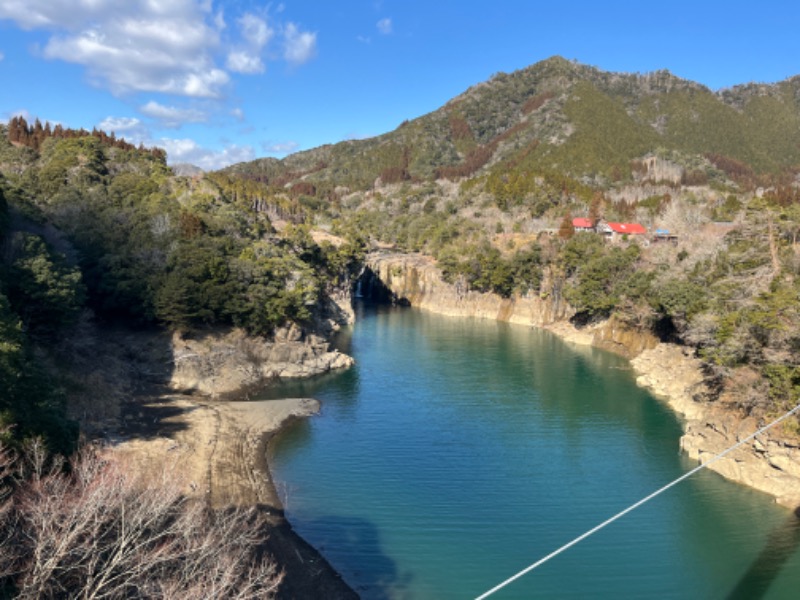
457, 452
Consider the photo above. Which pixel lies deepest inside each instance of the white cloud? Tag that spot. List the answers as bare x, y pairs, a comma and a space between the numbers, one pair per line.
120, 124
141, 45
255, 30
167, 46
243, 62
53, 14
256, 34
2, 56
384, 26
25, 114
171, 116
189, 151
299, 46
238, 114
280, 147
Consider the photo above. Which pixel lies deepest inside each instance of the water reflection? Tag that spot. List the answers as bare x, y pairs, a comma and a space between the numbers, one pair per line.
468, 446
781, 544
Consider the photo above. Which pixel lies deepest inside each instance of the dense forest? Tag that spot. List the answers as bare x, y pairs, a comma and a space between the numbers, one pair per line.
96, 234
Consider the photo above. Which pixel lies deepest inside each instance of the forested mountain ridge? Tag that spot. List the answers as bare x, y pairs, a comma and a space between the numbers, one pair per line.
577, 120
489, 183
94, 223
95, 231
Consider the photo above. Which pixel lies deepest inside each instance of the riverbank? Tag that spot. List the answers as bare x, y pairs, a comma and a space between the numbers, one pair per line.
155, 398
671, 372
220, 450
675, 375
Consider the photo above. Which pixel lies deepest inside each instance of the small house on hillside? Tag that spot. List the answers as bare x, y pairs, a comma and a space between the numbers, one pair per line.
663, 235
582, 224
615, 231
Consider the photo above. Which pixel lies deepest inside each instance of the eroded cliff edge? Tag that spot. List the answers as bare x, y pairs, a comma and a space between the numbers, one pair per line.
670, 371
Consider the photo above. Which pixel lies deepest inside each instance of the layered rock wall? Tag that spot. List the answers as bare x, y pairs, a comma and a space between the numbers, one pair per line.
416, 280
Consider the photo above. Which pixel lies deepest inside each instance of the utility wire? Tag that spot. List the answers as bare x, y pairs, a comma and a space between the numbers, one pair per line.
582, 537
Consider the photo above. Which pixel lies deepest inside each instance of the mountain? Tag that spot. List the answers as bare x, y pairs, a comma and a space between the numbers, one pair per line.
558, 115
489, 183
186, 170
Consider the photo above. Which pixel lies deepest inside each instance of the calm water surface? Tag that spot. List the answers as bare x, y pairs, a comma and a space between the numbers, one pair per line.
459, 451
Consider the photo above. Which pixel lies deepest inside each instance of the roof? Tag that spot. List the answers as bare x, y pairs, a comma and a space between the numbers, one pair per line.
582, 222
633, 228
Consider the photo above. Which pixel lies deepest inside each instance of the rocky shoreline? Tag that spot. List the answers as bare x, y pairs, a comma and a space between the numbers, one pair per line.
669, 371
672, 373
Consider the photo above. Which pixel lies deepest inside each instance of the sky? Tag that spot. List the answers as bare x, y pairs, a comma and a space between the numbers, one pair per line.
215, 82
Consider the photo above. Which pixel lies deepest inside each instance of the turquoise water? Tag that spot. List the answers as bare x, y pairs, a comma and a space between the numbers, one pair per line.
459, 451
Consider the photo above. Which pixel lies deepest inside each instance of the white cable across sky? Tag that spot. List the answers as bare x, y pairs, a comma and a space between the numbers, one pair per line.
597, 528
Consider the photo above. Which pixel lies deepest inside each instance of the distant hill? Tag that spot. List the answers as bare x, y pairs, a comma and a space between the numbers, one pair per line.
186, 170
558, 115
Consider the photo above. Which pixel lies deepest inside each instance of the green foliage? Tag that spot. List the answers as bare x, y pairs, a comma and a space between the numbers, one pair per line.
29, 403
679, 299
483, 268
41, 286
602, 278
4, 216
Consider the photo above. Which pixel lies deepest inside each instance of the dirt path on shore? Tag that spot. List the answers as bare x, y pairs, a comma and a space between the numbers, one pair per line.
220, 448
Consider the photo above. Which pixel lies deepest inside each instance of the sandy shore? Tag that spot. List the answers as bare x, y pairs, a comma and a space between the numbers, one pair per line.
220, 448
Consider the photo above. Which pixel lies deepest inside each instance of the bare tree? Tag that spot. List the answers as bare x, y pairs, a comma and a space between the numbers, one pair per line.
99, 532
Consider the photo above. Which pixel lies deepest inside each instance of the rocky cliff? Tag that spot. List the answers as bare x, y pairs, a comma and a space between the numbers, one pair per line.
671, 372
416, 280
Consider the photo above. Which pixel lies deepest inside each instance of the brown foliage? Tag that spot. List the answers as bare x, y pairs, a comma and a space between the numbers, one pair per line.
394, 175
477, 157
34, 135
190, 225
99, 532
783, 195
459, 128
735, 169
566, 230
536, 102
302, 188
694, 177
472, 162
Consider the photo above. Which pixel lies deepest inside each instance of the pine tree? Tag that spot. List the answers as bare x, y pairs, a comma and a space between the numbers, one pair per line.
566, 230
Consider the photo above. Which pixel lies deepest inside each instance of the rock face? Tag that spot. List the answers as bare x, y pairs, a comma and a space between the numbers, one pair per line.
225, 362
416, 280
771, 464
672, 372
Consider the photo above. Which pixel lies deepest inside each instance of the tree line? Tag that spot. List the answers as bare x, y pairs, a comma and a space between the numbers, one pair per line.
34, 135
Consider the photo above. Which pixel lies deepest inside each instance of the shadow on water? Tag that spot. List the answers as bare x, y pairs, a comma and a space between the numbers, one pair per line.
353, 546
781, 544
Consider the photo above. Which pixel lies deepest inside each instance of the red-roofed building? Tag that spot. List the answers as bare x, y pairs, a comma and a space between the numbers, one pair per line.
617, 230
582, 224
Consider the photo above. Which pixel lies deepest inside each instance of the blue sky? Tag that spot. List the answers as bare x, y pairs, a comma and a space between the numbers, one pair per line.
216, 82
